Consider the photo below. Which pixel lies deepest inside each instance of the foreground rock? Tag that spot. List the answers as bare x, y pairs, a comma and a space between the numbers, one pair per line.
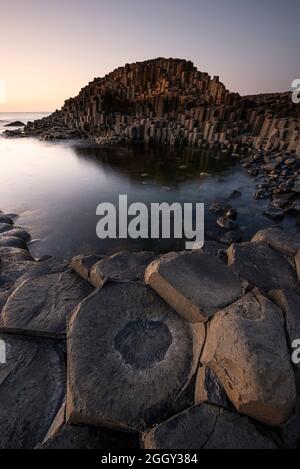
207, 427
82, 265
14, 262
42, 305
64, 436
130, 358
261, 266
195, 284
32, 388
246, 348
279, 240
121, 267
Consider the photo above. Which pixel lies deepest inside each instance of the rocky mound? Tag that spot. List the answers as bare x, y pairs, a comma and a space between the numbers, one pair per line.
169, 101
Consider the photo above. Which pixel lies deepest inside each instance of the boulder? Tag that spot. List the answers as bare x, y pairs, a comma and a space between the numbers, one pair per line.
17, 233
212, 247
261, 266
42, 305
124, 266
5, 227
130, 358
12, 242
5, 219
14, 262
32, 388
227, 224
15, 124
189, 281
275, 213
247, 350
231, 237
82, 265
206, 427
279, 240
64, 436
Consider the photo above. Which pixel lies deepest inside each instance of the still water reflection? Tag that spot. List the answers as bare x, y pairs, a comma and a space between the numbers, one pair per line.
56, 188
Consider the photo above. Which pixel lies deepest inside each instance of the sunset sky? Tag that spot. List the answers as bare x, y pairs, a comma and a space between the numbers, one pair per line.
50, 49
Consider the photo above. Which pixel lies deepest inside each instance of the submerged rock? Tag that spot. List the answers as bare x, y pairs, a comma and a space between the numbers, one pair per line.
246, 348
189, 281
130, 358
207, 427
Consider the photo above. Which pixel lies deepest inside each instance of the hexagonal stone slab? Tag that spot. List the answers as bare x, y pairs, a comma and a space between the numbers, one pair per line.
261, 266
279, 240
130, 358
42, 305
64, 436
124, 266
206, 427
195, 284
32, 389
246, 348
82, 265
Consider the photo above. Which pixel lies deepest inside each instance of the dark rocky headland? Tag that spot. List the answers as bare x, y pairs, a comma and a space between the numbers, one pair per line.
186, 350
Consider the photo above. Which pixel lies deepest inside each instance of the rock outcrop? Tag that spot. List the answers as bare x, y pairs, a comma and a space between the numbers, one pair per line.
169, 101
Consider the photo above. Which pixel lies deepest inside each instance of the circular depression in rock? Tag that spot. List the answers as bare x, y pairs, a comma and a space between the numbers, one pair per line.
142, 343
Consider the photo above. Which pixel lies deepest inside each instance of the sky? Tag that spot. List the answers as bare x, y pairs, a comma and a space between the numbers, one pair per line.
49, 50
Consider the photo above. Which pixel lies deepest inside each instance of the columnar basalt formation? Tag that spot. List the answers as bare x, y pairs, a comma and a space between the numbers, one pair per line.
138, 369
168, 101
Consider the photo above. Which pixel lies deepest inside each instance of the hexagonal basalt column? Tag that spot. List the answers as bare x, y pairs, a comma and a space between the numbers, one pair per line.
130, 358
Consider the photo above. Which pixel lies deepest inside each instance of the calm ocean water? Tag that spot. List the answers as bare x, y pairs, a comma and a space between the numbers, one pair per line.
56, 187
